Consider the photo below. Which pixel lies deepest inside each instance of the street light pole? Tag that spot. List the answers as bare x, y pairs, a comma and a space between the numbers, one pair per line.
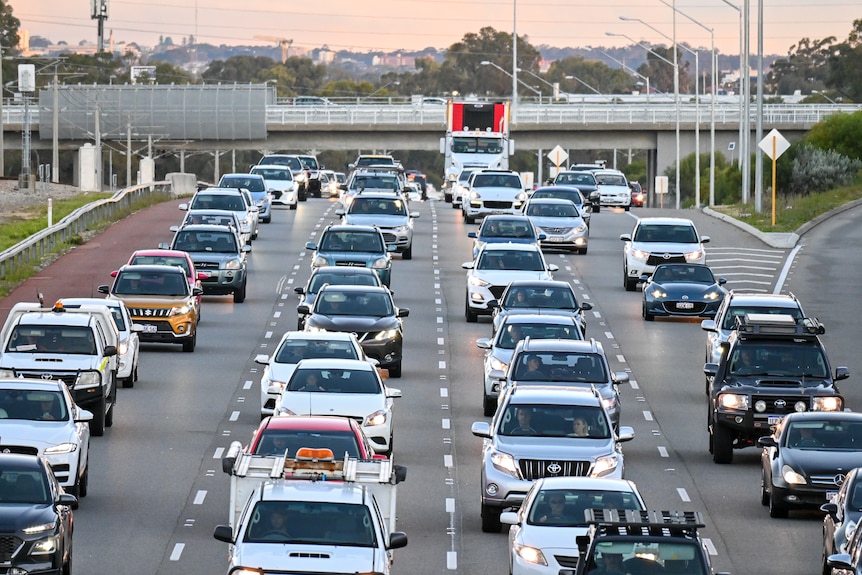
623, 64
521, 82
572, 77
514, 105
741, 65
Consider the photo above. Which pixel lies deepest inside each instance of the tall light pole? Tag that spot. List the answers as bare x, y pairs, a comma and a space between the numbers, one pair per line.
517, 81
623, 64
542, 80
758, 153
573, 77
742, 60
675, 97
514, 104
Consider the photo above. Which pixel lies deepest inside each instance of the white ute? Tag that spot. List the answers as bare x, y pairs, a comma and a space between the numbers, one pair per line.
310, 513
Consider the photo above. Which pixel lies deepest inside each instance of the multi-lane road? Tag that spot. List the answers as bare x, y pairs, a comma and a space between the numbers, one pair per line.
156, 486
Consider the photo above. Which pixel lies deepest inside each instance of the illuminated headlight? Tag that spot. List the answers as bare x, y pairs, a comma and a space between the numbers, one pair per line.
275, 387
800, 406
695, 255
179, 310
580, 229
62, 448
530, 554
41, 528
477, 281
380, 264
498, 365
376, 418
7, 373
475, 195
733, 401
505, 463
234, 264
828, 404
386, 334
609, 402
658, 293
791, 477
605, 465
639, 254
319, 261
300, 177
400, 229
712, 295
88, 379
759, 406
522, 197
123, 348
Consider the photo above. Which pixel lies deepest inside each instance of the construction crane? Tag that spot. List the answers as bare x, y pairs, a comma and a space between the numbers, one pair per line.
284, 42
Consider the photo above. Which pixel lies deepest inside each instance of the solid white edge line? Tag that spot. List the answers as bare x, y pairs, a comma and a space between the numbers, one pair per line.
782, 277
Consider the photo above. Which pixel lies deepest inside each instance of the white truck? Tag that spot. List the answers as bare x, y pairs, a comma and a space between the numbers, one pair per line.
310, 513
76, 346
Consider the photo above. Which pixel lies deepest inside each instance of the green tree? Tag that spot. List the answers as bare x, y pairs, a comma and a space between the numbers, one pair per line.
603, 78
805, 68
845, 65
660, 72
9, 25
839, 132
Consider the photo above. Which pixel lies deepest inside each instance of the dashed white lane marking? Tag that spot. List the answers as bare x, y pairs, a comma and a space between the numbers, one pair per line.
662, 451
450, 505
683, 494
621, 358
439, 341
276, 315
267, 335
633, 383
177, 551
648, 415
447, 461
609, 335
451, 560
247, 384
199, 497
234, 416
218, 453
441, 364
446, 424
444, 392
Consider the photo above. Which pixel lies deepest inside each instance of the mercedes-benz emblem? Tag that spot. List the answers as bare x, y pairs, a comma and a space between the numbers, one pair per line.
666, 256
554, 468
839, 479
780, 403
47, 376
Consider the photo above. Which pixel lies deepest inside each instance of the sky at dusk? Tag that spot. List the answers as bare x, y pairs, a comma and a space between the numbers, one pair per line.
390, 25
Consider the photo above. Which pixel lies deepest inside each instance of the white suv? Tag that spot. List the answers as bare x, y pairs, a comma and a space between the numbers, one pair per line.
492, 192
655, 241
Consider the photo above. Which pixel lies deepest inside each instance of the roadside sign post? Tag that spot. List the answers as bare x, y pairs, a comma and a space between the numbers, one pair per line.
558, 157
773, 145
661, 184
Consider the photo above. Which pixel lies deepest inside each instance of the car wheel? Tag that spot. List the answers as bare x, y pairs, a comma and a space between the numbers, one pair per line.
292, 206
67, 565
627, 283
583, 251
764, 494
489, 405
647, 315
709, 430
395, 370
627, 208
469, 314
129, 381
97, 424
722, 444
597, 209
388, 452
777, 508
239, 295
267, 220
109, 416
408, 253
469, 219
490, 520
190, 344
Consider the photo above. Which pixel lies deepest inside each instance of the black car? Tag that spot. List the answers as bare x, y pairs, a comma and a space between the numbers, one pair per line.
846, 562
681, 290
35, 517
806, 460
332, 275
843, 513
367, 311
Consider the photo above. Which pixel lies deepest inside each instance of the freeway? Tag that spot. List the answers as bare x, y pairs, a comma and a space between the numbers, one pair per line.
156, 486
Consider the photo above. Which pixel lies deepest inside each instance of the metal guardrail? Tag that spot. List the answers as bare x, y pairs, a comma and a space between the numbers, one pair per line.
30, 252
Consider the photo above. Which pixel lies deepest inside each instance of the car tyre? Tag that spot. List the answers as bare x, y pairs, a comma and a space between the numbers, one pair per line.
582, 251
489, 405
109, 417
647, 315
97, 424
627, 283
67, 565
239, 295
722, 444
777, 508
490, 519
408, 253
764, 494
597, 209
469, 315
395, 370
190, 344
292, 206
627, 208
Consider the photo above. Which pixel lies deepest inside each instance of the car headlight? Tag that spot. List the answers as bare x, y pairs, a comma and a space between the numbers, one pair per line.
285, 411
319, 261
791, 477
400, 229
733, 401
477, 281
275, 386
380, 264
580, 229
88, 379
40, 528
123, 348
505, 463
386, 334
7, 373
530, 554
639, 254
605, 465
609, 402
246, 227
712, 295
658, 293
828, 403
62, 448
300, 177
261, 203
234, 264
474, 195
376, 418
179, 310
695, 255
496, 364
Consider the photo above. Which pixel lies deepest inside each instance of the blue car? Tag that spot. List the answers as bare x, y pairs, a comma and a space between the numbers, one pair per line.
354, 245
505, 229
682, 290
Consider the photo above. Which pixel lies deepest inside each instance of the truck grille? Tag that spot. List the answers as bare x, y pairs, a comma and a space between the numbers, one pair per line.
145, 312
537, 468
771, 408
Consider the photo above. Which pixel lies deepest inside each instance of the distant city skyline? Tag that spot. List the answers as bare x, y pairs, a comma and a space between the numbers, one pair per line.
393, 25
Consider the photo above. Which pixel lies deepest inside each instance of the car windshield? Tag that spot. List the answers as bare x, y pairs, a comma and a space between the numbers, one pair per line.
677, 234
683, 274
233, 203
311, 523
206, 241
574, 197
375, 161
506, 229
250, 184
358, 381
309, 162
216, 219
509, 335
824, 435
734, 312
566, 507
583, 178
522, 260
32, 405
795, 360
277, 442
352, 242
52, 339
24, 486
289, 161
332, 302
151, 283
385, 206
274, 173
294, 350
610, 180
539, 297
376, 183
163, 261
561, 367
612, 555
319, 279
497, 181
554, 421
465, 175
547, 210
476, 145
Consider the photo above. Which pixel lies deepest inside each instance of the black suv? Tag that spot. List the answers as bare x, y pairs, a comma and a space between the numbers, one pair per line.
629, 541
773, 365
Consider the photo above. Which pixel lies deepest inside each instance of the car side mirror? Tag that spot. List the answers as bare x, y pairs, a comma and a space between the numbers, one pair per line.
104, 289
110, 350
707, 325
197, 291
403, 312
841, 373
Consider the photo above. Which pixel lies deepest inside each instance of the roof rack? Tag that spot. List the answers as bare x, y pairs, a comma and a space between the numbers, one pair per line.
777, 325
646, 522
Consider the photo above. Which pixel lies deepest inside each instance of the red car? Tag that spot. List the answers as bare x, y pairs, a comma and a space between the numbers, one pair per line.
171, 258
638, 195
275, 434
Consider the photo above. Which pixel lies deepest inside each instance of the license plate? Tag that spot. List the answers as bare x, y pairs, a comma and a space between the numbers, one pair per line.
149, 328
774, 419
830, 495
684, 305
554, 239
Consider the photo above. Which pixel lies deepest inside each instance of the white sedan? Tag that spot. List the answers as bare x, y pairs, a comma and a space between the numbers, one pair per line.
543, 531
344, 387
40, 416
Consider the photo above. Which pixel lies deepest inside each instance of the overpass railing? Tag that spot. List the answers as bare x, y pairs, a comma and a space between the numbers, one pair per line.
31, 252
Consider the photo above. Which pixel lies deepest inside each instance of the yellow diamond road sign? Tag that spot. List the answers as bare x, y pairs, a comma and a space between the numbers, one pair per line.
558, 156
774, 143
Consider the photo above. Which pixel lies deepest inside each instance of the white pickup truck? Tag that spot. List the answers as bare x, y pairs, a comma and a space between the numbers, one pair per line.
310, 513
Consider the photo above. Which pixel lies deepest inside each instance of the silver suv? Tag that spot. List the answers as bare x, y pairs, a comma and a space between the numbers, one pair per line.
389, 213
541, 431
